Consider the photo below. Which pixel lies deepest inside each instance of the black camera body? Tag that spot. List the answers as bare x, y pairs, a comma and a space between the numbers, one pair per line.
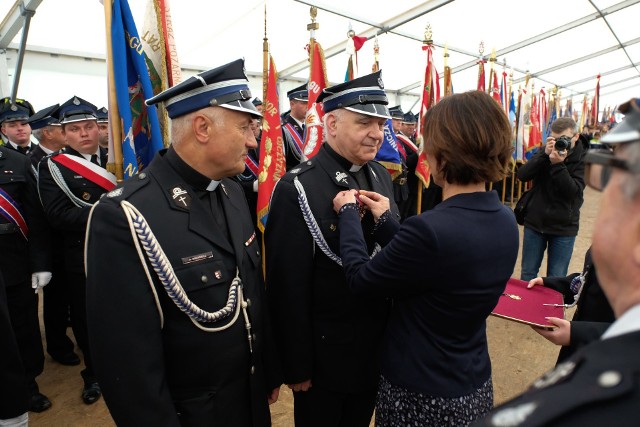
562, 143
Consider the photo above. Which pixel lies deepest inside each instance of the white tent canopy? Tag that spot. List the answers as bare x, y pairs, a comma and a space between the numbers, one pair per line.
560, 43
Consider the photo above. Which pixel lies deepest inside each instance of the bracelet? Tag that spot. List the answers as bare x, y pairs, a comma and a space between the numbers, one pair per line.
381, 220
347, 206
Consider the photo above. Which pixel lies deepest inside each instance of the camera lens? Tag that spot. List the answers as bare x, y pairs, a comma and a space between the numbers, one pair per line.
562, 143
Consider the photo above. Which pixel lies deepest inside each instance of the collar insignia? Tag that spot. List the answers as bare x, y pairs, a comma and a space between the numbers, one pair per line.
515, 416
341, 177
180, 197
115, 193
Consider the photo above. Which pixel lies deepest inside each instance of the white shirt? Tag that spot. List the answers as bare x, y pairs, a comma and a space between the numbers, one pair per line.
88, 156
627, 323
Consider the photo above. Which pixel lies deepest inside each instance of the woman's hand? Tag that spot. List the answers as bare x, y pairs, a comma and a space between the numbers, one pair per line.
375, 202
560, 335
344, 197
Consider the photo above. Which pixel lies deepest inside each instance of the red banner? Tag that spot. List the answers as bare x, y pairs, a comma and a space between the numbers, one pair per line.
272, 160
313, 120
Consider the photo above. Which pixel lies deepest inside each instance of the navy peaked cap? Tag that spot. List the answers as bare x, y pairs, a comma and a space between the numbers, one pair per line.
44, 117
19, 110
364, 95
226, 86
75, 109
299, 94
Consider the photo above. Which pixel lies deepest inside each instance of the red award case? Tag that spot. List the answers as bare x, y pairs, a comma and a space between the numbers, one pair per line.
529, 306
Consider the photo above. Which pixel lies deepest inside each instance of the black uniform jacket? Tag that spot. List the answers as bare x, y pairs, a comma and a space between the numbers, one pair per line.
19, 259
63, 215
324, 332
554, 207
165, 371
597, 387
292, 156
593, 313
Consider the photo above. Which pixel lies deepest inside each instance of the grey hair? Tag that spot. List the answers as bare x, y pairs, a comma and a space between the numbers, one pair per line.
338, 116
38, 133
180, 126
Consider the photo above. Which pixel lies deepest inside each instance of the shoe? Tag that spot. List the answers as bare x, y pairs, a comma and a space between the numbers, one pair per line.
69, 359
38, 402
91, 392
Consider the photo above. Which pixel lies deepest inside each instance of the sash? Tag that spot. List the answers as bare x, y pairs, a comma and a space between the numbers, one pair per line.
9, 209
299, 143
87, 170
252, 165
407, 141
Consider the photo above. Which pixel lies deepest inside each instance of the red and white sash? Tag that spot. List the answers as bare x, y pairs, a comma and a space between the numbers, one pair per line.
407, 141
9, 210
296, 137
87, 170
252, 165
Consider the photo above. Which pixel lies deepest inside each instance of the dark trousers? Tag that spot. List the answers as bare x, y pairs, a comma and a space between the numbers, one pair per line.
78, 288
55, 313
322, 408
23, 311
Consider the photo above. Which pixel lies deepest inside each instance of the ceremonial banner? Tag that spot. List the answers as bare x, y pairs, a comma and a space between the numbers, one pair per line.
354, 44
140, 137
504, 93
584, 114
481, 77
595, 105
313, 119
272, 160
389, 154
495, 90
161, 56
522, 134
534, 130
430, 95
552, 118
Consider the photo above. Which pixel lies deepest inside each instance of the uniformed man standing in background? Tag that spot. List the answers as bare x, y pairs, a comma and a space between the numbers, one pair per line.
69, 183
13, 125
177, 321
293, 125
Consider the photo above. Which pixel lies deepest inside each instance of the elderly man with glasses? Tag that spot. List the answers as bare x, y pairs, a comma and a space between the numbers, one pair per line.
599, 384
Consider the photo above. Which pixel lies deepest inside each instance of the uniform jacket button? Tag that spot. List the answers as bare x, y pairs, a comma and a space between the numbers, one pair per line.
609, 379
204, 279
253, 370
248, 302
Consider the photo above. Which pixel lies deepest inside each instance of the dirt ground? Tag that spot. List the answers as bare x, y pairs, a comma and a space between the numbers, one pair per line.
518, 355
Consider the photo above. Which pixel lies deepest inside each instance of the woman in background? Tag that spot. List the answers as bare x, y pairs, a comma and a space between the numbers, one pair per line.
445, 269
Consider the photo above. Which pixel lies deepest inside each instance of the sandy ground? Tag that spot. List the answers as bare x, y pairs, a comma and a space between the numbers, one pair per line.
518, 354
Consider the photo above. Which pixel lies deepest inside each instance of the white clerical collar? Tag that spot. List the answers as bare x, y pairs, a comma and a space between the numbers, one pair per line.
355, 168
213, 185
628, 322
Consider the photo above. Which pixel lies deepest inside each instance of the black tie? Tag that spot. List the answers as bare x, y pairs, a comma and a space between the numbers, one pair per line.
94, 159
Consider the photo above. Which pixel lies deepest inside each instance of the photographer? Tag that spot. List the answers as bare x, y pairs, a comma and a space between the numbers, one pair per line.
553, 213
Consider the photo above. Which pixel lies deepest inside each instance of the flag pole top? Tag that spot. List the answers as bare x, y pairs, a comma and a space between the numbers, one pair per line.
428, 34
313, 12
481, 48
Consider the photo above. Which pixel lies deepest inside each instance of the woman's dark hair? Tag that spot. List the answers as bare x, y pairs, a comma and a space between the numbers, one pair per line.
470, 137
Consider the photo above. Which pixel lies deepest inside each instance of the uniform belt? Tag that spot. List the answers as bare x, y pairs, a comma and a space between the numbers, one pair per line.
8, 228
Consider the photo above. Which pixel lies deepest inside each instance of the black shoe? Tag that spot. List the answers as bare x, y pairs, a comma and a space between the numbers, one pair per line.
91, 392
69, 359
38, 402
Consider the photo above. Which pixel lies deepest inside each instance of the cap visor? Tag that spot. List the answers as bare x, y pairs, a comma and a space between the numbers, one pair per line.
375, 110
243, 106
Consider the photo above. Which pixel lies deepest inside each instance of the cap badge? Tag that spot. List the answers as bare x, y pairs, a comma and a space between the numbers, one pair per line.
76, 101
86, 196
341, 177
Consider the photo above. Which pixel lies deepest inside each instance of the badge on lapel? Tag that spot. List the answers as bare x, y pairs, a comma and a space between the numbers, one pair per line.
180, 197
341, 177
86, 196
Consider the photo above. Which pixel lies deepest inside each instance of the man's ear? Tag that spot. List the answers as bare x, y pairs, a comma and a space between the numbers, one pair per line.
201, 125
332, 123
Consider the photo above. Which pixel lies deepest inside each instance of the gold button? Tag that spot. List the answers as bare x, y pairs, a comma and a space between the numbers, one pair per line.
204, 279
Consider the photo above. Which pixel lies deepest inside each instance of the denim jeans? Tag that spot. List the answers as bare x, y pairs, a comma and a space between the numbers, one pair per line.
560, 249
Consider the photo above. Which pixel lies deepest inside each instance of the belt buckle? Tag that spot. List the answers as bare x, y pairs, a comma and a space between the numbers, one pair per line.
402, 181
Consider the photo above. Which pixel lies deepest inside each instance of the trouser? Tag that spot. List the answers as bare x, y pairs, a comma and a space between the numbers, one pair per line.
55, 313
23, 311
559, 251
323, 408
78, 288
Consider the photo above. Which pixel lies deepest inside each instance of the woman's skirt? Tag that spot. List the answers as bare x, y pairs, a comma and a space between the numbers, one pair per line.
397, 406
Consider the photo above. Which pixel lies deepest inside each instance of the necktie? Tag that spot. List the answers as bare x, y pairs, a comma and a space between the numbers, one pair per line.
23, 150
94, 159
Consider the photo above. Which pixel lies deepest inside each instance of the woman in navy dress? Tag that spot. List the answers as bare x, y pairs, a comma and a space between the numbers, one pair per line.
445, 269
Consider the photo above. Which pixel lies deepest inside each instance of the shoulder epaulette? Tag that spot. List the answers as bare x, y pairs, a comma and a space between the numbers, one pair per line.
300, 169
130, 186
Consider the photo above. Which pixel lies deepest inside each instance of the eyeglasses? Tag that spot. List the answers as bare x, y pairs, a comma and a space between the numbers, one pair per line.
599, 165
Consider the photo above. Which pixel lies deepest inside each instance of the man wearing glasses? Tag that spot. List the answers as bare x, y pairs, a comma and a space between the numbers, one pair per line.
599, 384
553, 213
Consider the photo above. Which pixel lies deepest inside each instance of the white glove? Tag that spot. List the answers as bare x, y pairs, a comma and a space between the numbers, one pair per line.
255, 186
40, 279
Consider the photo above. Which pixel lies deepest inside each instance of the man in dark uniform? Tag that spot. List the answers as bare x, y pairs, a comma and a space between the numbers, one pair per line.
47, 130
56, 304
13, 124
328, 339
248, 179
409, 152
599, 386
103, 127
24, 261
293, 125
184, 342
400, 188
70, 182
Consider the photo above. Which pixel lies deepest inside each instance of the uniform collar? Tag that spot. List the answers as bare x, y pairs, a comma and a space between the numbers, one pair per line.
627, 323
191, 176
346, 164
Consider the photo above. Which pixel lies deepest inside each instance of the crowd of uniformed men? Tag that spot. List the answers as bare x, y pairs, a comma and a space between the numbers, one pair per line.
168, 302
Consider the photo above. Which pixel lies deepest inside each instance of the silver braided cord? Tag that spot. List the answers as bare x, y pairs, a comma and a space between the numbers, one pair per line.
59, 179
160, 264
314, 229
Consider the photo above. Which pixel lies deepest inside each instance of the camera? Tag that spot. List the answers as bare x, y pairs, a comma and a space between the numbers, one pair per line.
562, 143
